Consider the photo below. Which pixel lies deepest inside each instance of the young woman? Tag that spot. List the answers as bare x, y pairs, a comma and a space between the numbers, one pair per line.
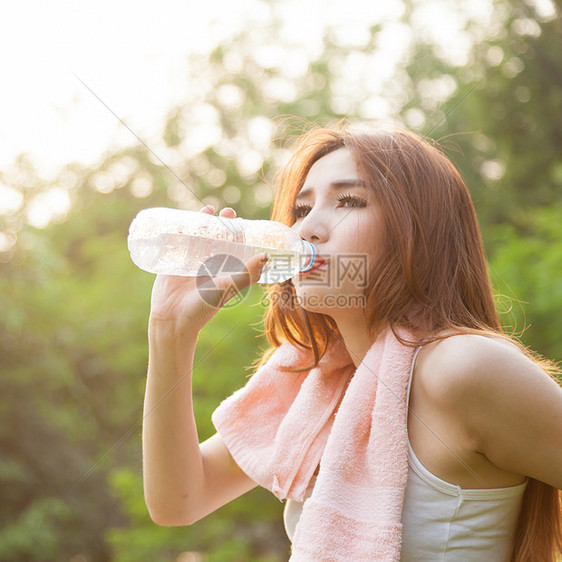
484, 421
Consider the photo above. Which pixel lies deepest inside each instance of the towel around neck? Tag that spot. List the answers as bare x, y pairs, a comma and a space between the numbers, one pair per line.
351, 422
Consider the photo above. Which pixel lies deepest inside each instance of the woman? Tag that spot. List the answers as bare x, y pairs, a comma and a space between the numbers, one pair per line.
484, 421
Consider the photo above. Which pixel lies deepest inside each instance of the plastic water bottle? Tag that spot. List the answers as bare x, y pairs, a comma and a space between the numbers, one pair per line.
192, 244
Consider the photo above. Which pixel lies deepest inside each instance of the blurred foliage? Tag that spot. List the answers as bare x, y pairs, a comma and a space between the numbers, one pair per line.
526, 274
73, 348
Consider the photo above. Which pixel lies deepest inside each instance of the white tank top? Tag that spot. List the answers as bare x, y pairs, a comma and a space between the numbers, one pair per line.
443, 522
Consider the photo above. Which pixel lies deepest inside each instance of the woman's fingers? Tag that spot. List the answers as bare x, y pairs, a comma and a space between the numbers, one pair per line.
227, 212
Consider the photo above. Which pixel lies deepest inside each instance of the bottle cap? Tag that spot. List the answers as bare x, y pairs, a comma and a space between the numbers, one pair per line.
309, 255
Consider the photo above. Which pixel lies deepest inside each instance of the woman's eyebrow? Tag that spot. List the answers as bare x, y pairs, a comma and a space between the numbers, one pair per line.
335, 186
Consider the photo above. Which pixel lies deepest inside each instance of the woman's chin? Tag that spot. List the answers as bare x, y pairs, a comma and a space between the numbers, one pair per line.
321, 300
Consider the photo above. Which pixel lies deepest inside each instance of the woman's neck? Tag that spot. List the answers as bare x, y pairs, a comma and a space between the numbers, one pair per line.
356, 337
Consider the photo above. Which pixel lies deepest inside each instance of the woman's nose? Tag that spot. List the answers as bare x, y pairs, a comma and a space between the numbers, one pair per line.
313, 227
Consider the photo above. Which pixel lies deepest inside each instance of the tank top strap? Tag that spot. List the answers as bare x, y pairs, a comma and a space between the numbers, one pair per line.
418, 349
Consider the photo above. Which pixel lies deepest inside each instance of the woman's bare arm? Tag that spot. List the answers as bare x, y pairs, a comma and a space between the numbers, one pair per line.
183, 480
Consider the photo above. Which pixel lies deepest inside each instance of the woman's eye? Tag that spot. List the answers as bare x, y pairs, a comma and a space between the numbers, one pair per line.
299, 211
351, 201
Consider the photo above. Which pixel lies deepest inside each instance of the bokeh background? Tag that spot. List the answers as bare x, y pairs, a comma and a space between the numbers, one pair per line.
110, 108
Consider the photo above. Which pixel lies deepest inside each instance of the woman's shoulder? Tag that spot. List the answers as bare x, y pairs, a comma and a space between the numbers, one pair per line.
459, 364
503, 404
467, 346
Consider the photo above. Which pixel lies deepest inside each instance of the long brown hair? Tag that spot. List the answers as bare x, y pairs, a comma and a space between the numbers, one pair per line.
431, 276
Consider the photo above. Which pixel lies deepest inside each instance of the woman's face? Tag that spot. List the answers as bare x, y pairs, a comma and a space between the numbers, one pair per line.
337, 212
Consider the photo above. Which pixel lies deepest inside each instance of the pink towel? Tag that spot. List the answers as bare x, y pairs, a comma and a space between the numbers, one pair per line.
281, 425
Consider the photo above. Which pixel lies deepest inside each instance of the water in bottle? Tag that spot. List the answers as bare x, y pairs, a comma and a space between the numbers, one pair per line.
192, 244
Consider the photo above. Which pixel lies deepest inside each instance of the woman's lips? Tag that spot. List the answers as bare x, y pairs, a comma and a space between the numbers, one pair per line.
319, 264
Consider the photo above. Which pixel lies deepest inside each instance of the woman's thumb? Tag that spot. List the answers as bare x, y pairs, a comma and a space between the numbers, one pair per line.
255, 267
233, 284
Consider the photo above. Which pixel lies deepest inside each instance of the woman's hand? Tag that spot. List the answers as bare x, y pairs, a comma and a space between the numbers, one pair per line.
177, 301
